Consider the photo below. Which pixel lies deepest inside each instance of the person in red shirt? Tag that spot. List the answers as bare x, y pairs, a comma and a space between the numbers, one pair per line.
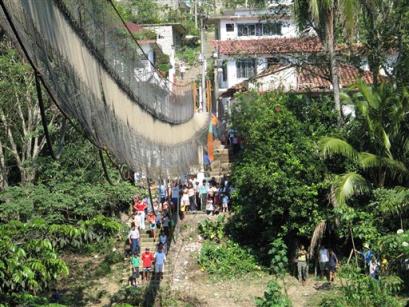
139, 207
152, 224
147, 260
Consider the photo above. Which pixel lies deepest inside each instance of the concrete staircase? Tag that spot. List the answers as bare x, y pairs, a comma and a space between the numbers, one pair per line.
221, 165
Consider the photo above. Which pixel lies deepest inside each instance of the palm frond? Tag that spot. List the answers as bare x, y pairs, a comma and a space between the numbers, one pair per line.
348, 185
330, 146
395, 167
368, 160
369, 95
317, 236
349, 10
315, 9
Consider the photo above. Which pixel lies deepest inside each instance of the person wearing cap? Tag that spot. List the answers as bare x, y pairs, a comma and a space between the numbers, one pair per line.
147, 260
367, 255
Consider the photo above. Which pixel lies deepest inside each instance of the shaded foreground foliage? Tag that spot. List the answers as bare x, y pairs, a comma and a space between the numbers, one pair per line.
302, 179
279, 175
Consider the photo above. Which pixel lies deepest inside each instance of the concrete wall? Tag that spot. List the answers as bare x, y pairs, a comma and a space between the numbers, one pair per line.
165, 38
285, 79
232, 79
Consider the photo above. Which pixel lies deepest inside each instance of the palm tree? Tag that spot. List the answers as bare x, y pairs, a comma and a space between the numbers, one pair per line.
384, 112
321, 15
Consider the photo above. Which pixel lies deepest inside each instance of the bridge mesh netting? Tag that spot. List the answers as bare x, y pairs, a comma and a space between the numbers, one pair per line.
100, 76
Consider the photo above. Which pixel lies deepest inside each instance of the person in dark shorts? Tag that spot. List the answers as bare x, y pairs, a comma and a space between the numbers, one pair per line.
135, 262
332, 265
147, 260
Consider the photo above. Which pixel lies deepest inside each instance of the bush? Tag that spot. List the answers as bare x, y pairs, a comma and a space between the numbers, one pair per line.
273, 297
212, 230
188, 54
278, 175
28, 267
358, 289
279, 259
226, 260
128, 295
64, 236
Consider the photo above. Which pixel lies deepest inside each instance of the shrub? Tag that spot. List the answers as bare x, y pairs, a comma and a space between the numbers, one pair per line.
128, 295
358, 289
226, 260
278, 254
188, 54
212, 230
28, 266
273, 297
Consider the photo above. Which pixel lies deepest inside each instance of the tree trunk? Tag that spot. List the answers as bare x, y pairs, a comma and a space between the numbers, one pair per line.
330, 38
3, 169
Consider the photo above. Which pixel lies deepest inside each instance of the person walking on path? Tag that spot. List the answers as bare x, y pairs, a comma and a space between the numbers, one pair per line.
147, 260
192, 197
135, 263
184, 204
134, 239
323, 262
140, 207
160, 259
332, 265
152, 225
302, 266
203, 194
182, 70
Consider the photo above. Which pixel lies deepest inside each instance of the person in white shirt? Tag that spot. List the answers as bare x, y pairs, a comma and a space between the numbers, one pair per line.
160, 259
184, 204
323, 261
133, 238
209, 206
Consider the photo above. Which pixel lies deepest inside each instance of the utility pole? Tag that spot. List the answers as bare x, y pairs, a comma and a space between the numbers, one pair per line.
203, 60
195, 12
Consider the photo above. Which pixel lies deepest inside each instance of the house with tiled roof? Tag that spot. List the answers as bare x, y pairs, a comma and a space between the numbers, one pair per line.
262, 49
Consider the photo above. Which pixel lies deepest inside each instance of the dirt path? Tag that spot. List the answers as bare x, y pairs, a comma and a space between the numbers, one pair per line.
193, 286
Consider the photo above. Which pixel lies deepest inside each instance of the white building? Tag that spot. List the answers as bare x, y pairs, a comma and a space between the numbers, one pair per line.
169, 37
262, 49
248, 43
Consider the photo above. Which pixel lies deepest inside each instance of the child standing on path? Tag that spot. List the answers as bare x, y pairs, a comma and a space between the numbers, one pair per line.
147, 260
160, 259
135, 262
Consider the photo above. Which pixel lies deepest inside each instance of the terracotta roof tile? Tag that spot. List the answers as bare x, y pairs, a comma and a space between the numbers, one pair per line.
265, 46
268, 46
134, 27
310, 78
318, 78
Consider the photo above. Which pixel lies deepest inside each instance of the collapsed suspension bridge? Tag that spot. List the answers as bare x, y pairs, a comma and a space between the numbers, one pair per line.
95, 72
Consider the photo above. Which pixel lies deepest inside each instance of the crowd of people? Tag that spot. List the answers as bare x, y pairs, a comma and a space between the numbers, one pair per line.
156, 217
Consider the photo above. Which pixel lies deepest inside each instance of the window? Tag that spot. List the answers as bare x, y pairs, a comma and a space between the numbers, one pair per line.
246, 29
230, 27
259, 29
272, 61
272, 29
246, 68
224, 73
